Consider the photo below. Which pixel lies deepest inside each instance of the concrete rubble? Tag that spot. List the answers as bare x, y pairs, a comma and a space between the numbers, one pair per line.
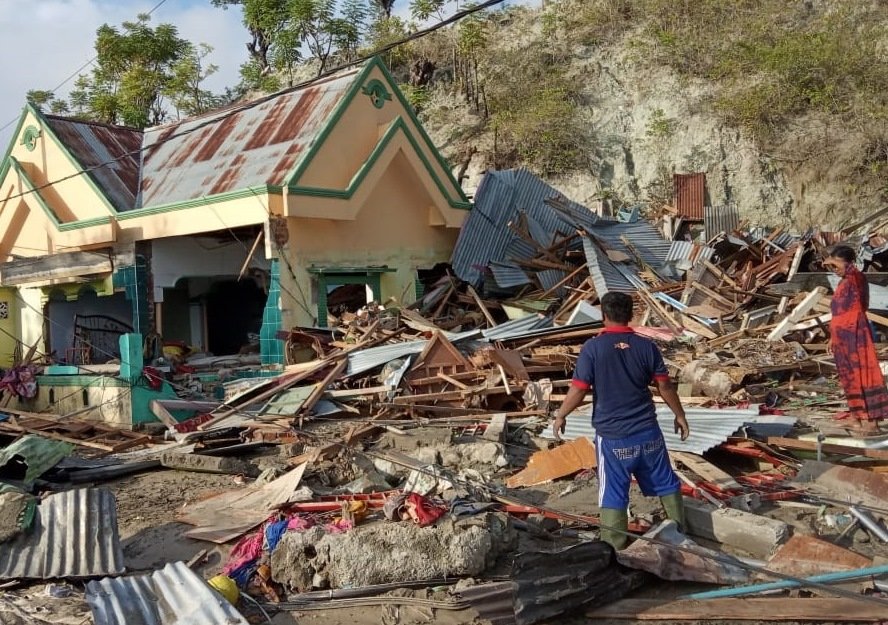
402, 457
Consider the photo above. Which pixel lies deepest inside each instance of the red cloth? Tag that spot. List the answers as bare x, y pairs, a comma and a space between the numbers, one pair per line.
854, 351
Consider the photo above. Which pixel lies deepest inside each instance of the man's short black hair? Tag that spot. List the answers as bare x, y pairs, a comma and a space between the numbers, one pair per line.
844, 252
617, 307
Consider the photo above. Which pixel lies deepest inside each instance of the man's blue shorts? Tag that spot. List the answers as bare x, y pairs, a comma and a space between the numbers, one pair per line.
643, 455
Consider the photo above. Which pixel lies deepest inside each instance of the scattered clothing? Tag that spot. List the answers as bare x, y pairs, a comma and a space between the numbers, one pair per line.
20, 382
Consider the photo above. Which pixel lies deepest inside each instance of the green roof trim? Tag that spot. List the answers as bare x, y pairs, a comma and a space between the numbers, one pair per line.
202, 201
358, 86
77, 165
368, 270
397, 126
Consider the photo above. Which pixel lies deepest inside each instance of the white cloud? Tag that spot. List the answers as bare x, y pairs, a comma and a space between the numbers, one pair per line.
52, 38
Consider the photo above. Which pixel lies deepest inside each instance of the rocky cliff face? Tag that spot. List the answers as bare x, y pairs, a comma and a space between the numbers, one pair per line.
644, 122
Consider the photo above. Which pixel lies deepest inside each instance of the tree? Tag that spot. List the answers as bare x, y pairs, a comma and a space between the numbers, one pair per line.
188, 74
136, 68
385, 6
265, 19
40, 97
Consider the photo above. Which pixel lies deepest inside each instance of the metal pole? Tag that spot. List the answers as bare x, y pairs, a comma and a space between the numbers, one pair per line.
740, 591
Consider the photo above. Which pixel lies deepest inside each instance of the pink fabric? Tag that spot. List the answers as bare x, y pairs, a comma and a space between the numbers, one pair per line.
248, 549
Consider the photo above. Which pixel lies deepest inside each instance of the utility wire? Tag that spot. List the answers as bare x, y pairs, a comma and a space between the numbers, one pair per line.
76, 72
259, 101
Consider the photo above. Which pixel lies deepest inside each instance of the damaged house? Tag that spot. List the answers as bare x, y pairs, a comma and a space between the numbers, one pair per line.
216, 232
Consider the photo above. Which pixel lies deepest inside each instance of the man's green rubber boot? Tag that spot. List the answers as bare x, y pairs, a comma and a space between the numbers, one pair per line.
675, 510
618, 520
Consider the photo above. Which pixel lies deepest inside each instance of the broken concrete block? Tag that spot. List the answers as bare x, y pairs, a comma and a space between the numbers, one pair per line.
384, 553
207, 464
496, 429
806, 556
756, 535
547, 465
856, 486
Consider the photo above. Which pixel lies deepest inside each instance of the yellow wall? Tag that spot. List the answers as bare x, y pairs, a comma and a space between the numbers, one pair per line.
48, 163
29, 306
392, 228
8, 326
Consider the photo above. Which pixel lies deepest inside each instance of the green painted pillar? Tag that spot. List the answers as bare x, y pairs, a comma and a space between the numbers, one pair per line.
131, 362
271, 348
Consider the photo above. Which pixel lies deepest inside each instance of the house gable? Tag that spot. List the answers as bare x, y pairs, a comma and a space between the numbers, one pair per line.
372, 116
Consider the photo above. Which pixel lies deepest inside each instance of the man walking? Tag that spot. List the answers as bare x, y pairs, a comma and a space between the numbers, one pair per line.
618, 366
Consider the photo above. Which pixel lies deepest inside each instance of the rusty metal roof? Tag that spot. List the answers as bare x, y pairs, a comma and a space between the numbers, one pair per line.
92, 144
74, 535
174, 595
689, 195
252, 147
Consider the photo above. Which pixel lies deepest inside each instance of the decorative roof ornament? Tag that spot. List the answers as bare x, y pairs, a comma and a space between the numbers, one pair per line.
377, 92
30, 136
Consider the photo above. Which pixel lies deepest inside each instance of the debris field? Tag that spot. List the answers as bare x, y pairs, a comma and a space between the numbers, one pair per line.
402, 467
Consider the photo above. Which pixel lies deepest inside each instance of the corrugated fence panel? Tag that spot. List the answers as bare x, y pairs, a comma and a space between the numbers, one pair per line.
74, 535
718, 219
689, 195
173, 595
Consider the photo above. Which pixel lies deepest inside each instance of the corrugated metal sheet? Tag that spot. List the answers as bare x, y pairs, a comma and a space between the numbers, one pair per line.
364, 360
689, 195
544, 585
93, 144
690, 252
499, 199
604, 273
517, 327
508, 276
718, 219
551, 277
38, 453
710, 427
74, 535
173, 595
252, 147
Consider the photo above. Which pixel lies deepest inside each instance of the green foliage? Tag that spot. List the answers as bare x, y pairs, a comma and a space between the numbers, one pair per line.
423, 10
659, 126
533, 108
40, 97
187, 75
768, 60
136, 68
418, 97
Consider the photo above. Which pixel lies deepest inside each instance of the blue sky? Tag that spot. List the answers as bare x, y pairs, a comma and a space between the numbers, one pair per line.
52, 38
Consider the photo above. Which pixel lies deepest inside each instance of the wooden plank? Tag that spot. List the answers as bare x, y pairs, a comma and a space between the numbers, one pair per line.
446, 378
705, 469
797, 314
490, 320
249, 257
321, 388
55, 267
829, 448
816, 609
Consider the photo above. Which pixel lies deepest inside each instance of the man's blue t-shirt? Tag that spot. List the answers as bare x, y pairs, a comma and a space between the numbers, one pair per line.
619, 366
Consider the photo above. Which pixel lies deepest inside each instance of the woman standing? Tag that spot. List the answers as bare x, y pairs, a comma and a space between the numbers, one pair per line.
851, 343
